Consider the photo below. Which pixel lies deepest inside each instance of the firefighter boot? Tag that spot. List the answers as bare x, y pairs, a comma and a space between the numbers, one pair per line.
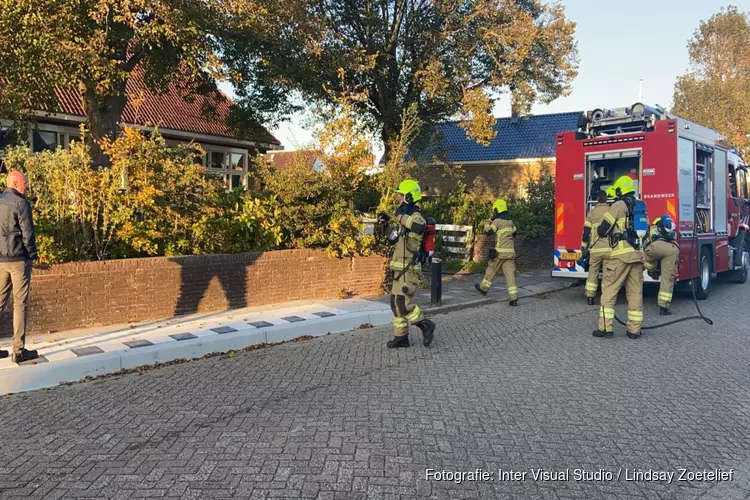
601, 334
24, 355
590, 301
665, 311
428, 331
3, 354
634, 335
479, 289
513, 303
397, 342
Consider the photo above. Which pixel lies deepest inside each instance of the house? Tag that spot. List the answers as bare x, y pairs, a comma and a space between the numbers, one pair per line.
283, 159
178, 121
315, 158
522, 146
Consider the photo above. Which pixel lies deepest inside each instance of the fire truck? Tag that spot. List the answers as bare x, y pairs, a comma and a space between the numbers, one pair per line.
680, 168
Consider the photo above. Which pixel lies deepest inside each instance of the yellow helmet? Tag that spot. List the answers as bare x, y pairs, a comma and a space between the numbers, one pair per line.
499, 206
625, 185
411, 190
656, 221
611, 192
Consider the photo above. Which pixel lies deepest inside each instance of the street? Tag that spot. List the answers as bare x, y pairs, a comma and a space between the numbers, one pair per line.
523, 398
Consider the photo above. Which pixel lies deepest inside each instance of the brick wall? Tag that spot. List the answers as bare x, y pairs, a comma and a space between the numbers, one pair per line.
78, 295
502, 177
530, 254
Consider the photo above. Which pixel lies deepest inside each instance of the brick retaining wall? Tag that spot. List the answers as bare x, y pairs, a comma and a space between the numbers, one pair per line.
86, 294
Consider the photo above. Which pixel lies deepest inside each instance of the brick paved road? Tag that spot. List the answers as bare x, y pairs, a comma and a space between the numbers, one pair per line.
341, 417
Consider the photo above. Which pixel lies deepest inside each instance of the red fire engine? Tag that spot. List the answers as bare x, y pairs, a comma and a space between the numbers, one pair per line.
680, 167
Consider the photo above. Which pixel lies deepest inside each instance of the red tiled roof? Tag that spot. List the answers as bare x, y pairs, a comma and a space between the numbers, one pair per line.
281, 159
169, 110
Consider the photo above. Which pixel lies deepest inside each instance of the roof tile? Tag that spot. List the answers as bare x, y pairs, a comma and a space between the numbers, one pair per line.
168, 110
530, 136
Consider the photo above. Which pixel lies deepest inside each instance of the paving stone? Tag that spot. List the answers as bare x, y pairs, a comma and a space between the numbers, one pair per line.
133, 344
87, 351
183, 336
343, 417
223, 329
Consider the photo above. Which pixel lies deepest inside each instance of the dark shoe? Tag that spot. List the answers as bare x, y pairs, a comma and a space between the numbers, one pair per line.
590, 301
25, 355
634, 335
428, 331
601, 334
665, 311
398, 342
479, 289
513, 303
3, 354
654, 275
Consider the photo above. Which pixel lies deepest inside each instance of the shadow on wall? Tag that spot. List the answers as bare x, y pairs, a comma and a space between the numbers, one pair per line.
197, 274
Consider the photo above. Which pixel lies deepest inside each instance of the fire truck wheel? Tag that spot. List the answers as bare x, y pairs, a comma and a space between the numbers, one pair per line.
743, 259
703, 281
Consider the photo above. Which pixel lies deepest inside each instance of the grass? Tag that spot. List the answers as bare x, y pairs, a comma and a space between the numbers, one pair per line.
459, 266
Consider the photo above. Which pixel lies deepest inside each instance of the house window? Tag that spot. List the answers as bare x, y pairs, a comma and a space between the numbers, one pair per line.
236, 181
73, 138
7, 138
44, 140
238, 161
217, 160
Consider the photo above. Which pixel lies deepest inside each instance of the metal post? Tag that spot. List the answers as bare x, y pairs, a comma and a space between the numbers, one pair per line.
640, 91
436, 284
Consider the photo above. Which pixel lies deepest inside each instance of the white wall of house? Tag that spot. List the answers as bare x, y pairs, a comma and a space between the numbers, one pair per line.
230, 163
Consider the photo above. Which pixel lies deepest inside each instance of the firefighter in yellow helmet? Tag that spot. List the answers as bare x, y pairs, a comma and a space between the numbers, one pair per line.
596, 248
503, 255
625, 265
406, 234
662, 258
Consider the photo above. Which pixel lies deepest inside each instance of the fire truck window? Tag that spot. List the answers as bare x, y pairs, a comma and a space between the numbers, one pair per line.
732, 181
741, 177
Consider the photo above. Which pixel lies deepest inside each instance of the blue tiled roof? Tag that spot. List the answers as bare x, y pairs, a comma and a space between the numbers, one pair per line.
530, 136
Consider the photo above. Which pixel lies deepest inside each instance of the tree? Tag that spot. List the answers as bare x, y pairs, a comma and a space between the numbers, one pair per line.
446, 57
95, 46
716, 90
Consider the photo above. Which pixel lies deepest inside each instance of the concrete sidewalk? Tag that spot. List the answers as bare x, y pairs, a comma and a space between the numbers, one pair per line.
77, 355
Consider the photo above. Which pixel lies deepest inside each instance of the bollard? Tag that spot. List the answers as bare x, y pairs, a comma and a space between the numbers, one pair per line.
436, 283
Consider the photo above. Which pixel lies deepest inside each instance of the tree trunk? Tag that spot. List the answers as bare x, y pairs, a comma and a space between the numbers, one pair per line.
388, 135
104, 113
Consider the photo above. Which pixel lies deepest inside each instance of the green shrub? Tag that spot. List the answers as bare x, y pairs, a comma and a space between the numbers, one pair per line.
533, 214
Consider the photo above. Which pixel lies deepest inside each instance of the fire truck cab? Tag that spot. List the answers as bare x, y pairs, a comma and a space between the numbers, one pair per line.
680, 168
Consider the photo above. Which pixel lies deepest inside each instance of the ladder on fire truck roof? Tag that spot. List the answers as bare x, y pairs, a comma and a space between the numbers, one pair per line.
628, 120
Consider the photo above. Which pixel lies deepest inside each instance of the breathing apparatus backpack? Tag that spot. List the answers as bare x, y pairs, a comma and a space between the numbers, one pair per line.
428, 241
636, 225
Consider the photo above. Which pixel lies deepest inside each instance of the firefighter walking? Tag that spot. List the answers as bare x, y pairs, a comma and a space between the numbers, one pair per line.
662, 258
599, 250
503, 255
625, 265
406, 234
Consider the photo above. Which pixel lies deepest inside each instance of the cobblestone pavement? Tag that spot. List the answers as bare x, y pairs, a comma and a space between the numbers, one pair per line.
341, 417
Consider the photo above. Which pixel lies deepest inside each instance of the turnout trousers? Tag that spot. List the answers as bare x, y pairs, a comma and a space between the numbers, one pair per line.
508, 267
666, 255
596, 263
616, 274
404, 311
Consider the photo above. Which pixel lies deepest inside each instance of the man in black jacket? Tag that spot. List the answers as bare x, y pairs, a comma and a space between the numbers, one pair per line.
17, 252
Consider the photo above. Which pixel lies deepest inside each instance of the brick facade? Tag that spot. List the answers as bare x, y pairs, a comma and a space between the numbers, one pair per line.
502, 177
87, 294
529, 254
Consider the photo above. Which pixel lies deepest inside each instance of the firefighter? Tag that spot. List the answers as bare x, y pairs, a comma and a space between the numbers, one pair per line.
503, 256
406, 235
625, 264
662, 257
597, 250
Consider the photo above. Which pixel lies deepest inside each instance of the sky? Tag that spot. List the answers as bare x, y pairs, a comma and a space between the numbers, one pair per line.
619, 43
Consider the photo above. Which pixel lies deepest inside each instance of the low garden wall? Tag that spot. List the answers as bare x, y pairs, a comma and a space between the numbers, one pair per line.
87, 294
